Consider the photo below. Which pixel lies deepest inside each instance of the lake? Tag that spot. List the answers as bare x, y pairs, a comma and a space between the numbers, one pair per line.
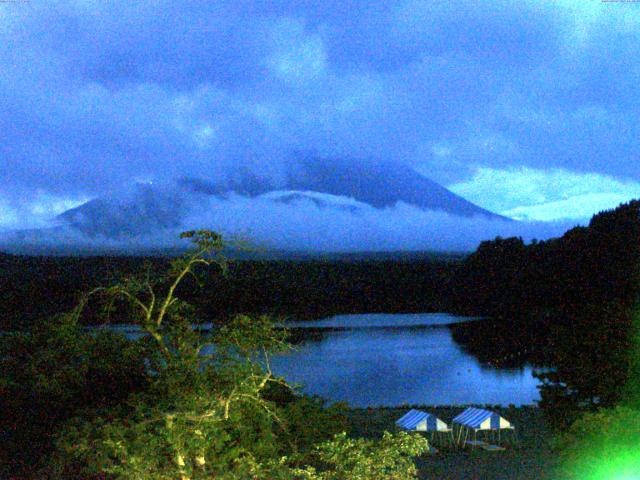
395, 359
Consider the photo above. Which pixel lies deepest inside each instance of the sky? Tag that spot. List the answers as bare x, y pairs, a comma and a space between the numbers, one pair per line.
529, 109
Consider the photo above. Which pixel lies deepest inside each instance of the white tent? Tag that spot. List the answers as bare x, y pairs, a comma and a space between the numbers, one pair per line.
421, 422
478, 420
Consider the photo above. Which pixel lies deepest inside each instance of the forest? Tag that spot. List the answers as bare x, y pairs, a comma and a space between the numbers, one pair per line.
567, 303
298, 289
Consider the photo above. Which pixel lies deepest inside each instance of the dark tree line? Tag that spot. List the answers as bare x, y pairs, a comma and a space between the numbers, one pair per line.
33, 288
595, 264
568, 301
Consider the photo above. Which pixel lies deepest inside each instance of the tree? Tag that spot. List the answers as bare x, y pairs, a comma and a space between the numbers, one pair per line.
50, 373
210, 408
344, 458
591, 367
602, 445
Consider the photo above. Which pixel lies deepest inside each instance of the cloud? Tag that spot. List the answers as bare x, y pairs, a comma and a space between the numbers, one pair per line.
546, 195
578, 207
308, 221
305, 225
36, 213
297, 57
100, 94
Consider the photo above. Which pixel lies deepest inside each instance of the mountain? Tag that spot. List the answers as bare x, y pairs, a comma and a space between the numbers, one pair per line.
378, 184
382, 185
327, 184
342, 205
143, 210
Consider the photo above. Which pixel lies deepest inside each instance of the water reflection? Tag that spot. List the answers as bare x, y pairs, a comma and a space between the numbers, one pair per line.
397, 359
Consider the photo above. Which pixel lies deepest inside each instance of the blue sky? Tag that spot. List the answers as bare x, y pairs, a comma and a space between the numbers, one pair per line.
530, 109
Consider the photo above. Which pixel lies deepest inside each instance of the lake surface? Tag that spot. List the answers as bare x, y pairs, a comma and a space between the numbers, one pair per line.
392, 359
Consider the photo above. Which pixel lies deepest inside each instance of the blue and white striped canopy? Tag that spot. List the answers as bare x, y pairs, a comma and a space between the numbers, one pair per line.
422, 422
479, 419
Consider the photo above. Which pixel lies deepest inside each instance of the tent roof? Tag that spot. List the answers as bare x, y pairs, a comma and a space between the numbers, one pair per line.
480, 419
419, 420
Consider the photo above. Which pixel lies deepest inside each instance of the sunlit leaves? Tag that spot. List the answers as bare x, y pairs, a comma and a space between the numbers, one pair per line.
212, 407
344, 458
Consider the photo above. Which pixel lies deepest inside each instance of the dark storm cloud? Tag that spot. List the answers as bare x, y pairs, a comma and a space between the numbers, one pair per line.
99, 95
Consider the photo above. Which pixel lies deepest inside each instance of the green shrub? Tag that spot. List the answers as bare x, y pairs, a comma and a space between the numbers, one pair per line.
602, 445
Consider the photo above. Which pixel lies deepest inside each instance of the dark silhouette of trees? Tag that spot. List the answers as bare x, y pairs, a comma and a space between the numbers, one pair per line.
568, 297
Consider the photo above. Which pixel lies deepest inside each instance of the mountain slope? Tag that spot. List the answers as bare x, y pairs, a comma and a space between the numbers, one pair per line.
340, 184
318, 204
381, 185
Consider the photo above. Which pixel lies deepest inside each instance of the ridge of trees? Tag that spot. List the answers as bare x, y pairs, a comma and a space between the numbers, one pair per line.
570, 299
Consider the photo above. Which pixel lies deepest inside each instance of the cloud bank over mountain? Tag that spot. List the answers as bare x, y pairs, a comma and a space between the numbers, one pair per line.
278, 220
323, 205
100, 95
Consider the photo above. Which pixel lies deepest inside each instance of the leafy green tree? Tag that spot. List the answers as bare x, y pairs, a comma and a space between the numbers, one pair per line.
50, 373
344, 458
203, 414
601, 445
207, 411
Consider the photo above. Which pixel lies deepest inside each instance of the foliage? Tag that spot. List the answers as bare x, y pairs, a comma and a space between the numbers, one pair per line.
345, 458
602, 445
590, 368
213, 408
595, 264
39, 287
302, 434
51, 372
202, 413
631, 392
568, 297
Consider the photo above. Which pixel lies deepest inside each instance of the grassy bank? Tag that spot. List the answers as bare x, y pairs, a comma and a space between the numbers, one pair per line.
531, 458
